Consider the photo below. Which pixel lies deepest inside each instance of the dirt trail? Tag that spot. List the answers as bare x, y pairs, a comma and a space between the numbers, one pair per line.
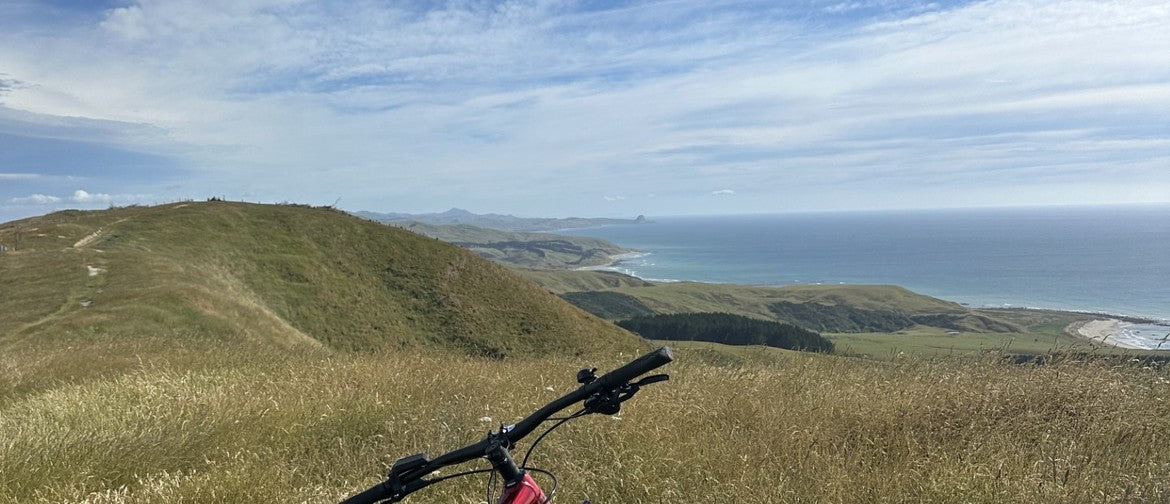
88, 239
93, 236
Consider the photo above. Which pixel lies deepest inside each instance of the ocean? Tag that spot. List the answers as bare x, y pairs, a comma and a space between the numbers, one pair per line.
1112, 260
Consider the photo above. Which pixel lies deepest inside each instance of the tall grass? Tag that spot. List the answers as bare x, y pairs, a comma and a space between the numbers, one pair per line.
787, 428
210, 363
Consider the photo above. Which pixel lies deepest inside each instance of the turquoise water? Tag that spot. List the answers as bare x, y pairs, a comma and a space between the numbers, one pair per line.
1099, 259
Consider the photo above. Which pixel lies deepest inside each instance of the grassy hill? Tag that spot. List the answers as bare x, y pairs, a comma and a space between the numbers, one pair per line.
562, 282
269, 277
201, 352
872, 320
845, 302
680, 297
727, 329
528, 250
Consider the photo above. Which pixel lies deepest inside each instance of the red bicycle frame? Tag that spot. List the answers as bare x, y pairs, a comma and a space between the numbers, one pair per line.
525, 492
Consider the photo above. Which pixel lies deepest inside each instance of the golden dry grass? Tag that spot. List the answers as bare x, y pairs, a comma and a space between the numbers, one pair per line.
780, 427
212, 365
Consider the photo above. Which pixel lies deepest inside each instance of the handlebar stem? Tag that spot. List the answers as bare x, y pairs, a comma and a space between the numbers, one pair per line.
501, 460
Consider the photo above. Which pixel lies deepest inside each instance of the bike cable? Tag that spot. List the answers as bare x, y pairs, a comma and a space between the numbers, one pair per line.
555, 483
547, 499
580, 413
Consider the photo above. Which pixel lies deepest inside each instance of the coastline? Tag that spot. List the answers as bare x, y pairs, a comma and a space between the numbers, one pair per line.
1095, 332
1120, 331
1115, 336
1114, 332
614, 261
1098, 331
1104, 315
615, 265
918, 250
1127, 331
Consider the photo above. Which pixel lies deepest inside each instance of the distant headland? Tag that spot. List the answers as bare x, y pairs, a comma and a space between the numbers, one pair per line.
498, 221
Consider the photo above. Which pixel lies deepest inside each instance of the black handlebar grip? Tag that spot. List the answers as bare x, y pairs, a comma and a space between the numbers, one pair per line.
373, 495
636, 368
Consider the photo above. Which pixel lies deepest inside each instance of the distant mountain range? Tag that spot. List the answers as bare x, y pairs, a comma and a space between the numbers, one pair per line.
497, 221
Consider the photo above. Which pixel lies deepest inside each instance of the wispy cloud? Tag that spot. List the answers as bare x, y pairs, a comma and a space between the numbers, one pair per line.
36, 199
81, 197
19, 176
6, 84
421, 106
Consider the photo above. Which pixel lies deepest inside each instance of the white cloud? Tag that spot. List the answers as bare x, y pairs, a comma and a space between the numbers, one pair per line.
36, 199
127, 22
845, 7
379, 102
723, 192
80, 196
613, 198
19, 176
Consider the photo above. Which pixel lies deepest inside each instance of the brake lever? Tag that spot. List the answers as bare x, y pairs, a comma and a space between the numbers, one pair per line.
650, 379
628, 391
609, 403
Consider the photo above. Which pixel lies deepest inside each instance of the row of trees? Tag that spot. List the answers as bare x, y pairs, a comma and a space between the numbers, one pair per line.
840, 318
727, 329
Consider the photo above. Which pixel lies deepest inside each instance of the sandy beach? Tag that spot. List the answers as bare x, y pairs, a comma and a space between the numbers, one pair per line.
1105, 331
613, 261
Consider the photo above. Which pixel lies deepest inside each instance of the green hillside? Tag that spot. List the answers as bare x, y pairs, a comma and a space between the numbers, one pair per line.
562, 282
271, 277
727, 329
872, 320
201, 352
682, 297
528, 250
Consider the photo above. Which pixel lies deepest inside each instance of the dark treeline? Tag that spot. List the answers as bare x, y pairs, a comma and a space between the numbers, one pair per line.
727, 329
840, 318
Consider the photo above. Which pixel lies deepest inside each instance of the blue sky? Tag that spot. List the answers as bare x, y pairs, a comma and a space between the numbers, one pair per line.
595, 108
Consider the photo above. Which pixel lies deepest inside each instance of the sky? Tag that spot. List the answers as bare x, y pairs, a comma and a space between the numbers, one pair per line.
589, 108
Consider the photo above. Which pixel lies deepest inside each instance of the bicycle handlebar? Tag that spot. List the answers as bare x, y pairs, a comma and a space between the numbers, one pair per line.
636, 368
609, 381
372, 495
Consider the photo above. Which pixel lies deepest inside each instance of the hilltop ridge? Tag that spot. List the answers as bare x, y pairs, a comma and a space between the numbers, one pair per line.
274, 276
